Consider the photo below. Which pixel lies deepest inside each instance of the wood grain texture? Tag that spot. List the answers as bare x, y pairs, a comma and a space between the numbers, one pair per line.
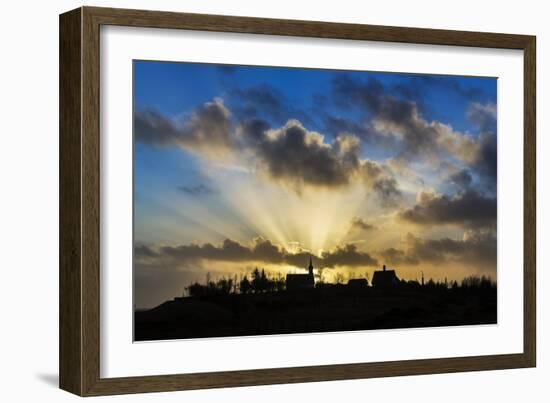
70, 314
80, 201
90, 202
530, 202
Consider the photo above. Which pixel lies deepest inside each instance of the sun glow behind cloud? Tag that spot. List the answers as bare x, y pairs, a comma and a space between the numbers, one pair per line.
244, 207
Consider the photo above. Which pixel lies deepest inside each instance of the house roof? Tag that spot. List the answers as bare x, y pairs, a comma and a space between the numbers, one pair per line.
384, 277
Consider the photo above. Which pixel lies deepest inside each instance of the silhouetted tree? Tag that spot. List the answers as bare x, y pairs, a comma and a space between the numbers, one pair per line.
197, 290
245, 286
280, 283
256, 280
235, 284
413, 283
320, 275
224, 286
264, 282
482, 282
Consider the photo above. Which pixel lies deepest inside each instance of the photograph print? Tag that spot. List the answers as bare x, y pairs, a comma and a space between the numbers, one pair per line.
282, 200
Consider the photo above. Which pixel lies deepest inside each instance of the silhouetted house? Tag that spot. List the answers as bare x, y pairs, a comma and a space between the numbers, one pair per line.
358, 283
301, 281
384, 278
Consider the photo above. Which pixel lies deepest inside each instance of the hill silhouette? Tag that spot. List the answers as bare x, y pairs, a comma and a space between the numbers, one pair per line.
221, 308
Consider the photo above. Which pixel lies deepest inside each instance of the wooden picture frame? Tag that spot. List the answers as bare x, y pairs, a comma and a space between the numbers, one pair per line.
79, 278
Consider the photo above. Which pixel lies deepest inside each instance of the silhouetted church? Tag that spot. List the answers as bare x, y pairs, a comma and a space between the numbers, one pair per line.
384, 278
301, 281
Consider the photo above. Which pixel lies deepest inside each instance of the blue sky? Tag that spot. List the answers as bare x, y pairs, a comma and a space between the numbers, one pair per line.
241, 153
177, 87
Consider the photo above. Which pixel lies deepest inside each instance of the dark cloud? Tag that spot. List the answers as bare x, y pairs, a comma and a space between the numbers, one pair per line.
230, 251
372, 96
418, 86
378, 179
365, 131
461, 179
290, 154
469, 208
359, 223
294, 155
266, 102
196, 190
253, 131
150, 127
301, 259
336, 125
485, 159
477, 248
348, 92
484, 116
207, 130
413, 136
261, 97
347, 255
388, 191
261, 250
399, 120
397, 257
298, 157
144, 252
448, 82
371, 171
264, 250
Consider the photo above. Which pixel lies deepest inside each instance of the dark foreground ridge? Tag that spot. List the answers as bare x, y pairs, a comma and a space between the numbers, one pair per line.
322, 308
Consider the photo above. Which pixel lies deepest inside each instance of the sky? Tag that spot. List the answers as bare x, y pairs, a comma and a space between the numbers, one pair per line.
237, 167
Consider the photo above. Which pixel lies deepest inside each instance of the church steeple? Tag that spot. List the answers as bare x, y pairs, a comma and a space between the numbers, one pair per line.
310, 267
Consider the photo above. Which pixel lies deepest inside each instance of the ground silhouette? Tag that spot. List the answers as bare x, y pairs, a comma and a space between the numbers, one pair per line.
262, 305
